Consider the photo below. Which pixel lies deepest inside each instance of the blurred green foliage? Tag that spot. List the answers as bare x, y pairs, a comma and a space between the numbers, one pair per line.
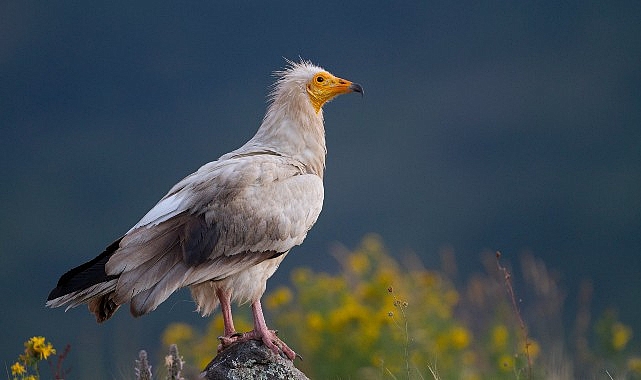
378, 319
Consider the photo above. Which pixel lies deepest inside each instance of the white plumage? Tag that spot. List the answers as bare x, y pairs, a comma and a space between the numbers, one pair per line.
223, 230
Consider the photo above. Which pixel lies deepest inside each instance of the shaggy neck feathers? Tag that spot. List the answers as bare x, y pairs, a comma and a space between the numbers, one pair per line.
291, 126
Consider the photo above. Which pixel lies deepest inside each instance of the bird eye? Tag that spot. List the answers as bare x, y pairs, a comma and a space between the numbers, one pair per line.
319, 79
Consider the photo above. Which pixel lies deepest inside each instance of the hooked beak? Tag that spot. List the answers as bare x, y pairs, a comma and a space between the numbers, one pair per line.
355, 87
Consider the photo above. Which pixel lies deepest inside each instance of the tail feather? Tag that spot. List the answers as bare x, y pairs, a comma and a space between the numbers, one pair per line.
103, 307
88, 283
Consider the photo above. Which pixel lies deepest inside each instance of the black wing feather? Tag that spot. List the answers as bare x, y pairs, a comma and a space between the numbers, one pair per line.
85, 275
197, 239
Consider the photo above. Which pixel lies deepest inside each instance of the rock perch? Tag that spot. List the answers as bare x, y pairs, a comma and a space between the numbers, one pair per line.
250, 360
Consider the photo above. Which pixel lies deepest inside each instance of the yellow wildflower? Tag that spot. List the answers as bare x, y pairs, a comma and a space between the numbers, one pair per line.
384, 277
442, 342
37, 348
370, 330
500, 336
46, 351
621, 335
279, 297
372, 243
533, 348
315, 321
330, 284
634, 364
36, 341
377, 359
358, 263
301, 275
18, 369
177, 333
506, 362
460, 337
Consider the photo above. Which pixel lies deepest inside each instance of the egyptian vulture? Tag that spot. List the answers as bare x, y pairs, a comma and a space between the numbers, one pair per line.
223, 230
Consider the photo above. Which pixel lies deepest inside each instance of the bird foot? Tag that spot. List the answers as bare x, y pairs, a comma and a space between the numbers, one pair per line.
228, 340
268, 338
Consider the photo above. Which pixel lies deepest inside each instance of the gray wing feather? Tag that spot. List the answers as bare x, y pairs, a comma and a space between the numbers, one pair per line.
180, 275
222, 219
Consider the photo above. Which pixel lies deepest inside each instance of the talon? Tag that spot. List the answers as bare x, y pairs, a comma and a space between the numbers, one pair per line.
260, 332
228, 340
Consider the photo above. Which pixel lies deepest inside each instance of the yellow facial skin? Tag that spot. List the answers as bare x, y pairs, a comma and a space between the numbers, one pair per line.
324, 86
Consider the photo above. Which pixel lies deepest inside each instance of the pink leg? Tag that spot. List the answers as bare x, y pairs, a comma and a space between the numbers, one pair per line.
261, 331
225, 307
267, 336
230, 335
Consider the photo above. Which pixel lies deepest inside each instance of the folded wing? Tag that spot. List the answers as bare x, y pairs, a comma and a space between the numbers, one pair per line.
222, 219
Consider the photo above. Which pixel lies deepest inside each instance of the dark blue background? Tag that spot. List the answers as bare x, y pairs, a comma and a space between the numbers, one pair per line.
505, 126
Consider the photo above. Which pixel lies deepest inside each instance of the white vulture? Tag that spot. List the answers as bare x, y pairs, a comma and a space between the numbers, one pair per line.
223, 230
